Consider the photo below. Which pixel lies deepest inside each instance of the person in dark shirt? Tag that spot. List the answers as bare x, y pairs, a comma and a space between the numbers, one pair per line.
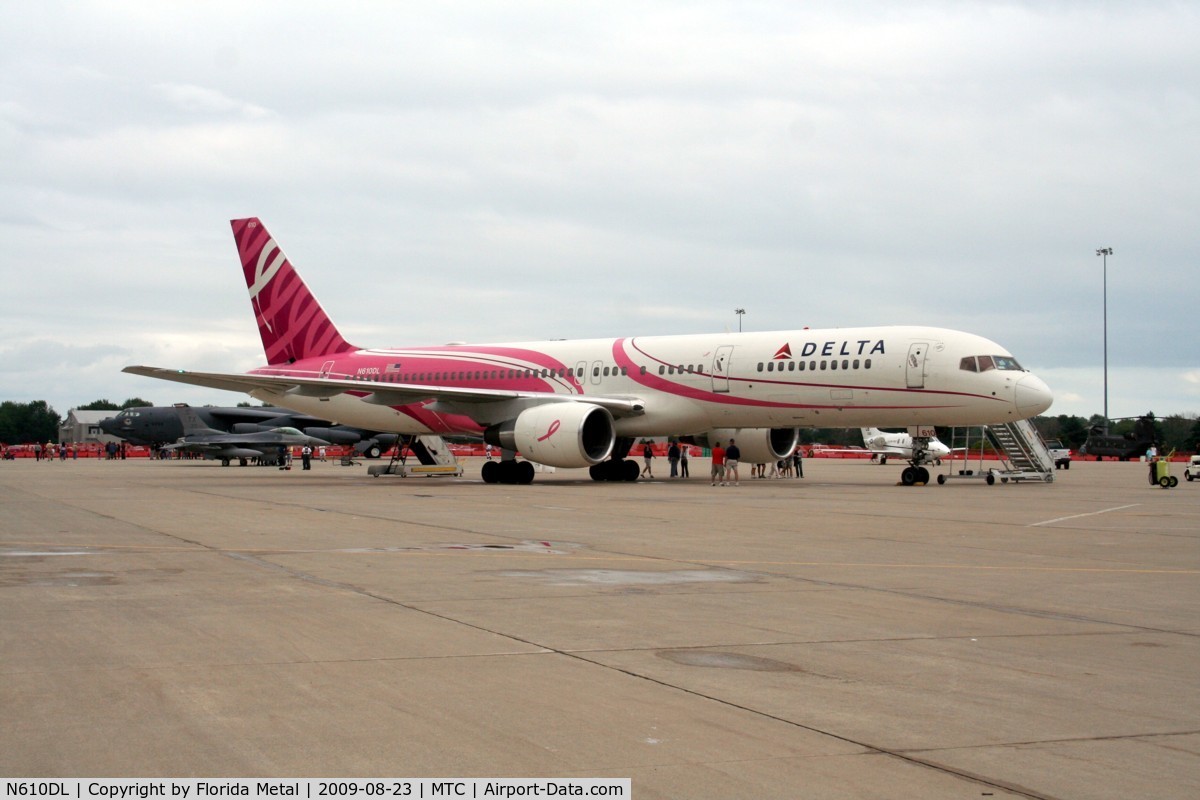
732, 456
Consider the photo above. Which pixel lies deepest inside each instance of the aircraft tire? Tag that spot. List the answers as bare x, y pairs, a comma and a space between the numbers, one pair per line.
597, 472
922, 475
629, 469
490, 472
523, 473
224, 462
909, 476
373, 451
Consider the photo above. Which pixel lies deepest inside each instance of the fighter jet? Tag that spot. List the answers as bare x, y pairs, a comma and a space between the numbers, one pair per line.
211, 443
159, 425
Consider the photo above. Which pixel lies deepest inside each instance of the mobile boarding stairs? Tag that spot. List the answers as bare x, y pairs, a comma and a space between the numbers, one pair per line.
1023, 455
433, 456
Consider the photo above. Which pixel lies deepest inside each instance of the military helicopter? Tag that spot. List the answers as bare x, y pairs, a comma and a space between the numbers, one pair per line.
1121, 446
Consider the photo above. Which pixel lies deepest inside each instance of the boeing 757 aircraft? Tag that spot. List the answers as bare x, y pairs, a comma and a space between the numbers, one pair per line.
583, 403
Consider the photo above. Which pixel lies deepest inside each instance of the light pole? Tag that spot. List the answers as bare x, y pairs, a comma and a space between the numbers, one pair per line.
741, 312
1104, 253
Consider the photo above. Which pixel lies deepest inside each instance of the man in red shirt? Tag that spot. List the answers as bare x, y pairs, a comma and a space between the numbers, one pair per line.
718, 464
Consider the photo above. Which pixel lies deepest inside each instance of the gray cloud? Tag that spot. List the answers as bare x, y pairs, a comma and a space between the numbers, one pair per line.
482, 172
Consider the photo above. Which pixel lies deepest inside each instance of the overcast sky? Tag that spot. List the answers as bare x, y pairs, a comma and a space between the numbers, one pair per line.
529, 170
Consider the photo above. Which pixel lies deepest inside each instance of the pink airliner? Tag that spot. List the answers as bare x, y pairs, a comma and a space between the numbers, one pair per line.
583, 403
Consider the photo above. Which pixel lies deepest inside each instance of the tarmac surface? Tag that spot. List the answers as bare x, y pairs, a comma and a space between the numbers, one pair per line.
836, 636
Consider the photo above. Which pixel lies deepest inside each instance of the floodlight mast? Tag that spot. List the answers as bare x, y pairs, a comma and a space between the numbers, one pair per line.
1105, 252
741, 312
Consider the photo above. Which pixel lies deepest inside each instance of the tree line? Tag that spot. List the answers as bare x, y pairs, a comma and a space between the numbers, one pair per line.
36, 421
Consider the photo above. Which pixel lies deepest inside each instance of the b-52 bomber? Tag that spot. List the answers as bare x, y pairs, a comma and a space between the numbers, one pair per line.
264, 445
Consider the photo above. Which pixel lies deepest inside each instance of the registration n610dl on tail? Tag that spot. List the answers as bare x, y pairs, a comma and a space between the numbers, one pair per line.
583, 403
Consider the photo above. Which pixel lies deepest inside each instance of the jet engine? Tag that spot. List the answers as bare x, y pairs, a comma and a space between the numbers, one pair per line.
558, 434
334, 435
758, 445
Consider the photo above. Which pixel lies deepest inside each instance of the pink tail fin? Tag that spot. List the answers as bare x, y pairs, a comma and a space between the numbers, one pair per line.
291, 322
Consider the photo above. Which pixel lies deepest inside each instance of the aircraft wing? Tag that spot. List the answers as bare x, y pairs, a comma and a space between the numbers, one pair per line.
385, 394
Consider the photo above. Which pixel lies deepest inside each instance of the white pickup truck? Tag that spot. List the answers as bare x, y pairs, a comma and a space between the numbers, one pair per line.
1061, 454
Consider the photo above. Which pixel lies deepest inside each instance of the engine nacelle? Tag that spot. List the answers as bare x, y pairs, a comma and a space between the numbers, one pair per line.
334, 435
758, 445
250, 427
560, 434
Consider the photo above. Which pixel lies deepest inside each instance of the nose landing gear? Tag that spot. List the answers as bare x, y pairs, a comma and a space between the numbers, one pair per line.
916, 472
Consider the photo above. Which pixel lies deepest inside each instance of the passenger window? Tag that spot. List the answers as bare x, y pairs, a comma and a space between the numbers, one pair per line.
643, 370
760, 366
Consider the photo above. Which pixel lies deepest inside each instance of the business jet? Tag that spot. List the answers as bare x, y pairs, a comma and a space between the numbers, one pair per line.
583, 403
882, 444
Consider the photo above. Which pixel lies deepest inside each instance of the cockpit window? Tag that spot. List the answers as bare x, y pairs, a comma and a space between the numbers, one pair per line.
984, 363
1007, 362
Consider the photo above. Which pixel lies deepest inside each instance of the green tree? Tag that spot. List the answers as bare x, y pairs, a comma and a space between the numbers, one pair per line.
99, 405
22, 423
136, 402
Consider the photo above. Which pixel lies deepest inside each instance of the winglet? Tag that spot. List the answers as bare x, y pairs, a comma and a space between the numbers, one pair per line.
291, 322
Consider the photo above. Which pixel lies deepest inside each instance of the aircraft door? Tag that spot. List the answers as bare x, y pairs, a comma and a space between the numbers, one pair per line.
326, 368
597, 366
581, 373
720, 368
914, 367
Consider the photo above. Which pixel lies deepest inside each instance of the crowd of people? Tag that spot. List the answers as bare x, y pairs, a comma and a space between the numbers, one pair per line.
54, 451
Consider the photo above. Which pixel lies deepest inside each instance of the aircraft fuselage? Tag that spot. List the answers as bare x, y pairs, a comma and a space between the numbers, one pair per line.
845, 377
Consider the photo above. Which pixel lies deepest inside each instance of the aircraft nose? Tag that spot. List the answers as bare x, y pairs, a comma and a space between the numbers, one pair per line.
1033, 396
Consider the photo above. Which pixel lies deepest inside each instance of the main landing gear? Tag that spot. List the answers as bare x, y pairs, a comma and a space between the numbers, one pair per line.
618, 467
916, 472
507, 470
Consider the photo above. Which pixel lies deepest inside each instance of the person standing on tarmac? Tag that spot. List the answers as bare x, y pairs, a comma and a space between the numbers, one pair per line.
306, 457
718, 464
732, 456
